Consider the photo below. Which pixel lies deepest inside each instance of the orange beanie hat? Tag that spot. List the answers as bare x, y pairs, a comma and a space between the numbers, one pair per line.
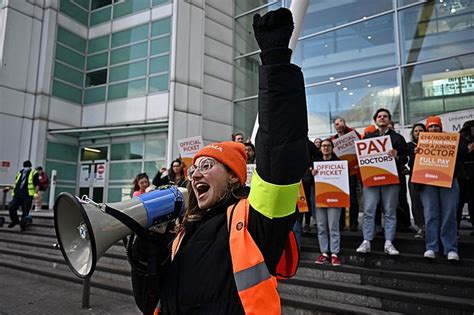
434, 120
229, 153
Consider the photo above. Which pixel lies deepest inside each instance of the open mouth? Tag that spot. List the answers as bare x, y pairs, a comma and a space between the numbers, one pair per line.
201, 188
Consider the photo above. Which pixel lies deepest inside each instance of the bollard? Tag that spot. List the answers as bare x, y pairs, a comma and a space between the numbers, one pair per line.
86, 290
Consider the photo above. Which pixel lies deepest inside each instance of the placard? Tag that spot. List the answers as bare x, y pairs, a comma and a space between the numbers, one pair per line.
332, 184
434, 164
250, 169
188, 148
344, 148
377, 167
302, 204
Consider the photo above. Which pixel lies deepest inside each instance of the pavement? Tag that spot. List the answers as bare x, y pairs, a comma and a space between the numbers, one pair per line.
24, 293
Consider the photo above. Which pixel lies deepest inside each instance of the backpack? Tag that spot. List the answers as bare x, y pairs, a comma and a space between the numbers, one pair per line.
44, 181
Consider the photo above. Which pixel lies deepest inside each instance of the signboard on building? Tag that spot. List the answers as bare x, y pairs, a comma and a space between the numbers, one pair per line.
434, 164
332, 184
448, 83
453, 121
377, 167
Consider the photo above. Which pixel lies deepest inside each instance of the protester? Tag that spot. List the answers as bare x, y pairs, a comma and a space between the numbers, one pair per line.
174, 177
26, 188
212, 269
466, 180
368, 130
387, 194
238, 137
415, 197
250, 152
440, 204
341, 130
43, 186
317, 143
328, 218
140, 184
308, 185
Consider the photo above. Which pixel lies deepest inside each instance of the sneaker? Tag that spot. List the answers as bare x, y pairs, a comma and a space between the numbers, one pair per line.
420, 234
335, 261
364, 247
452, 255
390, 249
429, 254
322, 259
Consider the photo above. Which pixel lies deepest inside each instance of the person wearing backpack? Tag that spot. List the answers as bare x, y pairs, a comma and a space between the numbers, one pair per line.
43, 186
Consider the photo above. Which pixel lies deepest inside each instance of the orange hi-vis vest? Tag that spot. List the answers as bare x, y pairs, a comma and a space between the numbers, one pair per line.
256, 286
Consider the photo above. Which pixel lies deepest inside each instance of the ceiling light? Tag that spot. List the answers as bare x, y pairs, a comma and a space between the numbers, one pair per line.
338, 83
453, 10
351, 93
326, 45
353, 105
92, 150
331, 78
344, 88
372, 94
369, 85
447, 70
369, 37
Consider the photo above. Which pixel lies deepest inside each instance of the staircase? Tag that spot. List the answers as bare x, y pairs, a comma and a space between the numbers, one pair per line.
36, 251
364, 284
376, 283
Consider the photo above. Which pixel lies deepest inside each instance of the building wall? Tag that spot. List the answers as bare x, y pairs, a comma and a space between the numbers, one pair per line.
413, 57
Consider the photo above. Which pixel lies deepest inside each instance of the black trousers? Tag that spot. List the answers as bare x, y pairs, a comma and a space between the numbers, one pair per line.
23, 201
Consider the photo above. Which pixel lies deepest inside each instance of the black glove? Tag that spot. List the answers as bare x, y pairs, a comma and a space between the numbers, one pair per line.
274, 29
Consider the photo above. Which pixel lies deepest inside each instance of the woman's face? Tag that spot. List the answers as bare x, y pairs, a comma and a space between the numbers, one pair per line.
416, 132
317, 143
143, 183
434, 128
326, 148
209, 180
177, 168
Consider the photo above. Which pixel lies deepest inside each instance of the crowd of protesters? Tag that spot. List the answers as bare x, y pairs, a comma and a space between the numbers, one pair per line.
436, 211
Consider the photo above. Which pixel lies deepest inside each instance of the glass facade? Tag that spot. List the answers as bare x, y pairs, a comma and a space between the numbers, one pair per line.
413, 57
128, 63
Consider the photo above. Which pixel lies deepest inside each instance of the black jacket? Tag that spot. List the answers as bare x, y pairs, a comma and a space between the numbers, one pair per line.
200, 278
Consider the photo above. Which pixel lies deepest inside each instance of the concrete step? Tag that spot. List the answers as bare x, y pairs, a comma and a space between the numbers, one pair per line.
117, 258
39, 217
377, 298
303, 305
404, 242
378, 260
454, 286
103, 272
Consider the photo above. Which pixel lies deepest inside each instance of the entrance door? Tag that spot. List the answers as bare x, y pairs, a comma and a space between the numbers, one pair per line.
92, 180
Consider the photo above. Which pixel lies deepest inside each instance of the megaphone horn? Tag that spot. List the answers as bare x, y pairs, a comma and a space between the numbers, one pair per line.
86, 230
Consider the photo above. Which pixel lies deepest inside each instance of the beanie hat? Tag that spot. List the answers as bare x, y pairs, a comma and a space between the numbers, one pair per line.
433, 120
229, 153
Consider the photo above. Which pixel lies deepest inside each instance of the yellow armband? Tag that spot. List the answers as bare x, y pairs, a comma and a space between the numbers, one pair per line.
273, 201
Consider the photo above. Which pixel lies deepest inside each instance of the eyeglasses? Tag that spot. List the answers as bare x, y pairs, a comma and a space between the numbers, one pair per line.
204, 166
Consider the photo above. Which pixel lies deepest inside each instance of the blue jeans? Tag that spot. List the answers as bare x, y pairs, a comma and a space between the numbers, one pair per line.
328, 229
440, 206
389, 196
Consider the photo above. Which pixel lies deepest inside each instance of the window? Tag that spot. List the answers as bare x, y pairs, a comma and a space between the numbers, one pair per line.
96, 77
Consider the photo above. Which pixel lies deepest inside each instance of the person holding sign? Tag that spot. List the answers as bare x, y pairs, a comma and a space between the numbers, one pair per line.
343, 130
440, 202
230, 248
328, 218
388, 194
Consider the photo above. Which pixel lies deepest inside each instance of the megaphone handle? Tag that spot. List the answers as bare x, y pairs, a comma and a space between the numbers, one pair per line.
128, 221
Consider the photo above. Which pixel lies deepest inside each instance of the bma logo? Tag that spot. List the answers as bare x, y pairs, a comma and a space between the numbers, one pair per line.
239, 226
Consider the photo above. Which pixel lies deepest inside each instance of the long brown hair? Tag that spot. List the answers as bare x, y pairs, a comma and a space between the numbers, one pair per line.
137, 179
